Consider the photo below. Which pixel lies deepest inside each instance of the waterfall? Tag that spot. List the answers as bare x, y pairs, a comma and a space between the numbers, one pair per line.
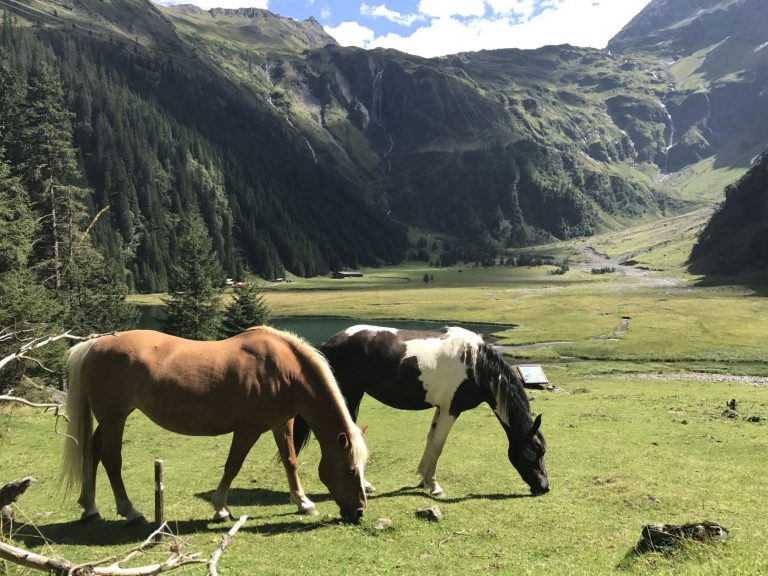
312, 150
671, 140
377, 99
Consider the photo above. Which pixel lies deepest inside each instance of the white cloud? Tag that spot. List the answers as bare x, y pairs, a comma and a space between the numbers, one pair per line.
351, 34
208, 4
325, 13
461, 26
519, 8
447, 8
384, 12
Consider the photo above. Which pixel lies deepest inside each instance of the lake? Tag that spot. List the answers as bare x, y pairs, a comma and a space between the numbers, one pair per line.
315, 329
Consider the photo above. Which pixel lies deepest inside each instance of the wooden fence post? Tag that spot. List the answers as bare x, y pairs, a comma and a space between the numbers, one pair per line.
159, 493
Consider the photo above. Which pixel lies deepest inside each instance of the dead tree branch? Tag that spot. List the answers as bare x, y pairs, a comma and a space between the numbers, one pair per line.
25, 402
225, 542
36, 343
62, 566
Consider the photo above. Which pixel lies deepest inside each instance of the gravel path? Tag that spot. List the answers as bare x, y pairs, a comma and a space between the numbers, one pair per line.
702, 377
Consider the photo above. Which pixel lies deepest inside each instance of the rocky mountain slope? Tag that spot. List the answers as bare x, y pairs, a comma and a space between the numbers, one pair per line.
321, 152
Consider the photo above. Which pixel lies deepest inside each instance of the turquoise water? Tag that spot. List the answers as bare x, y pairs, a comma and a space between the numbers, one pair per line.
315, 329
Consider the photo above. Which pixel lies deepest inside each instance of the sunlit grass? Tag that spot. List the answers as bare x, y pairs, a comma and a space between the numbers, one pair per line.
614, 447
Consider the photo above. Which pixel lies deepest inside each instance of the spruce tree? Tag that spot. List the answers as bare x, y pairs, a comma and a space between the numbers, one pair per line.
51, 174
193, 303
248, 309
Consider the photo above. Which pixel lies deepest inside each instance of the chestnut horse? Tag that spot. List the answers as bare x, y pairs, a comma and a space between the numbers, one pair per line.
248, 384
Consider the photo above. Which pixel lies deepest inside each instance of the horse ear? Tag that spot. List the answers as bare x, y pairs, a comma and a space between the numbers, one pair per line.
363, 428
343, 441
536, 426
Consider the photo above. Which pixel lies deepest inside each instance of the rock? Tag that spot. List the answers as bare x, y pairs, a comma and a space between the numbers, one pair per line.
431, 513
648, 499
382, 524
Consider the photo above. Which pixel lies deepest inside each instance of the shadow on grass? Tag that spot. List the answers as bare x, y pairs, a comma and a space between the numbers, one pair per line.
117, 533
419, 491
259, 497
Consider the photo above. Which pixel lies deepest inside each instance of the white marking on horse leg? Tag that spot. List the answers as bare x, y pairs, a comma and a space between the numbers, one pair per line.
90, 512
126, 510
425, 458
443, 426
284, 439
304, 505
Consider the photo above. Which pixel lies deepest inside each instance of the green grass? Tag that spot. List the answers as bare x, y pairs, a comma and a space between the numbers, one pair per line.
617, 442
611, 445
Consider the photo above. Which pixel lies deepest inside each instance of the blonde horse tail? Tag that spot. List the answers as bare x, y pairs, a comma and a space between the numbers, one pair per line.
78, 455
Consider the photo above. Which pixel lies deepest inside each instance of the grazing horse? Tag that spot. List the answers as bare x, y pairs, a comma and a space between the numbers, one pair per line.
452, 370
248, 384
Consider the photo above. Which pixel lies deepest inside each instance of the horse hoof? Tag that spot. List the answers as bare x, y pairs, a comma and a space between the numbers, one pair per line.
309, 512
370, 488
90, 518
222, 517
138, 521
438, 494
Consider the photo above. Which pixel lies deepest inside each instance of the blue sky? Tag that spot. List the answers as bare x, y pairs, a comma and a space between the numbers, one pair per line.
438, 27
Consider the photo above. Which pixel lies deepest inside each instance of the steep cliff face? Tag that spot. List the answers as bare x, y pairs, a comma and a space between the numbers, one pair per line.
717, 55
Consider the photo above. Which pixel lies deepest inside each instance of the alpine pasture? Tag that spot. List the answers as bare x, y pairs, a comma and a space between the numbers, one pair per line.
637, 433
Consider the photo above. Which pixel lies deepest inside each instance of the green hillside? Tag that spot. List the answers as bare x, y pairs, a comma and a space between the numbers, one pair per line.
306, 156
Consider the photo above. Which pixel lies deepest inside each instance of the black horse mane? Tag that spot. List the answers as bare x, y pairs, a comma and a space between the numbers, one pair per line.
503, 389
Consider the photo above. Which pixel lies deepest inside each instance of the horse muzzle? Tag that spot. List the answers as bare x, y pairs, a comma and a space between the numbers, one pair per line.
540, 490
352, 515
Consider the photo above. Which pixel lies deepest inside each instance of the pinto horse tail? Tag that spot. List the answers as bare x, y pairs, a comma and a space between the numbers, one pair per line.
301, 433
78, 453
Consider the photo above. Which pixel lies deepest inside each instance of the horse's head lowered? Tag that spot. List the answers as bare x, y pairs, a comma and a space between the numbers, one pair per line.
527, 456
506, 395
341, 470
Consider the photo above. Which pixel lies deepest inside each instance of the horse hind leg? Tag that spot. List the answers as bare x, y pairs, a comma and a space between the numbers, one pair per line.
111, 458
241, 444
284, 439
87, 498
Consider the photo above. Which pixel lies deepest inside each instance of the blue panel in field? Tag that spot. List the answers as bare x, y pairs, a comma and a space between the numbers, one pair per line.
532, 374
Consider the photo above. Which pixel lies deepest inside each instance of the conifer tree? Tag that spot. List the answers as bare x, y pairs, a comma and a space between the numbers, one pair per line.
51, 175
248, 309
193, 303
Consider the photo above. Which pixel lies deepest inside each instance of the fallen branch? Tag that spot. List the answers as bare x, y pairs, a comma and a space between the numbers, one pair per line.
62, 566
225, 542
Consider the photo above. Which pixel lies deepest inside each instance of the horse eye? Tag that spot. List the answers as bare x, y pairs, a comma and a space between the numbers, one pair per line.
351, 471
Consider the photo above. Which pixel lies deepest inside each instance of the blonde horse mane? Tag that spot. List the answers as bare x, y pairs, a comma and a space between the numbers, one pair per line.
318, 361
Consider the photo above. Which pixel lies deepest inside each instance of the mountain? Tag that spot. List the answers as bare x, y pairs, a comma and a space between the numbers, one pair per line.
305, 155
716, 52
736, 238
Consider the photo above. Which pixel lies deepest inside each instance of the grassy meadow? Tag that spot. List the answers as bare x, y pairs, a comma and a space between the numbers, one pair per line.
635, 434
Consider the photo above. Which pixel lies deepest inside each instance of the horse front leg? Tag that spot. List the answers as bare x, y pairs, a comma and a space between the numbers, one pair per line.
242, 442
442, 422
284, 439
111, 457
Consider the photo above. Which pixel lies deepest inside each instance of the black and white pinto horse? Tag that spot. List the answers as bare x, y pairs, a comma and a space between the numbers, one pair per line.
451, 369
